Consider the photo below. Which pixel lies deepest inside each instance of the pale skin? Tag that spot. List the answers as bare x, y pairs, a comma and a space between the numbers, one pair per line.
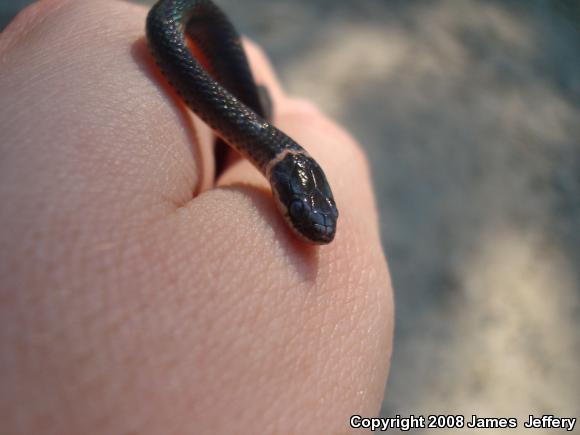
138, 295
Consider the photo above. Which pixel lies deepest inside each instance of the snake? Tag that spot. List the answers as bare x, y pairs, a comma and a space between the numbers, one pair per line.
201, 56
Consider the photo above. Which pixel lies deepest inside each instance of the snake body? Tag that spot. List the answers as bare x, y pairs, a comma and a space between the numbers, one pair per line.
218, 86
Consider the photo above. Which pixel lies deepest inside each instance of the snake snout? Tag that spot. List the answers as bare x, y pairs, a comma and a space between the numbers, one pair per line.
314, 225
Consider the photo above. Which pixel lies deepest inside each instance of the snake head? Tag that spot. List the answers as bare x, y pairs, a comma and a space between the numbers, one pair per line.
304, 197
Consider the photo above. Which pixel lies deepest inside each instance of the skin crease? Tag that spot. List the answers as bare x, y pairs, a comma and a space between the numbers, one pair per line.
128, 307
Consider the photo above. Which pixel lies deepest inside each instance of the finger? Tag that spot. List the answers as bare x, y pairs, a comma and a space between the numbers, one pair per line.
100, 99
264, 72
335, 298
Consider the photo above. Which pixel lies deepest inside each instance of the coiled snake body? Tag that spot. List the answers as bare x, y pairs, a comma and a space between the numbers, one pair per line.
228, 100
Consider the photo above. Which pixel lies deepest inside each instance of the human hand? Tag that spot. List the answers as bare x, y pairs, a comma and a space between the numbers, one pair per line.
141, 296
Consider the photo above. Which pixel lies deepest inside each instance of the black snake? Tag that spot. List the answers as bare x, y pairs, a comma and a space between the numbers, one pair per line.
226, 97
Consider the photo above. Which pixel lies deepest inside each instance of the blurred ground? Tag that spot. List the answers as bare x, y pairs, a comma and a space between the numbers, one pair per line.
470, 113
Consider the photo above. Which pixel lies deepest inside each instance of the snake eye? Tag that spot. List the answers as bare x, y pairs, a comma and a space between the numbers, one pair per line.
297, 209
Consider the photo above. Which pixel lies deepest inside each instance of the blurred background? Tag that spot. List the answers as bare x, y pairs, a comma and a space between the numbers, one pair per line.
470, 115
